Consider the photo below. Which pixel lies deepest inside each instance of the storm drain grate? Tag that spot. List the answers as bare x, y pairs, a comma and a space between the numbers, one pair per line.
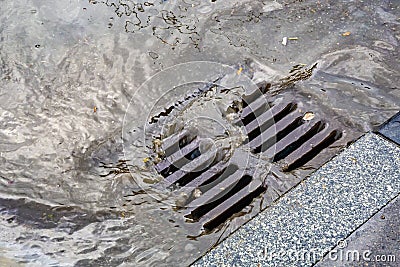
286, 132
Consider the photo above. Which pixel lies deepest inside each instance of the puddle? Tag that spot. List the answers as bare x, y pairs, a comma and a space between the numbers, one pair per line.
70, 70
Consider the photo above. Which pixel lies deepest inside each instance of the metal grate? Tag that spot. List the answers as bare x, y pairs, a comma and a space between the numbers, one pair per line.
286, 132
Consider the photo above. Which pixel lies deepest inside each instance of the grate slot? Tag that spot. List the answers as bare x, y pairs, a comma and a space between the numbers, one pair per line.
267, 119
275, 134
254, 109
172, 163
214, 179
311, 149
201, 166
228, 171
175, 142
218, 194
191, 171
263, 87
187, 178
207, 177
294, 140
235, 204
194, 154
207, 185
212, 190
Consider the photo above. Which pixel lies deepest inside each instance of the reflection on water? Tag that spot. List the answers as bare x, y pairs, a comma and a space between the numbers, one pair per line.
158, 18
68, 70
4, 261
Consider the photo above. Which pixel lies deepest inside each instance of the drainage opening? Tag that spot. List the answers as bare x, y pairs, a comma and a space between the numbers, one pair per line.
219, 177
271, 139
219, 198
268, 119
283, 131
313, 151
229, 212
316, 128
179, 158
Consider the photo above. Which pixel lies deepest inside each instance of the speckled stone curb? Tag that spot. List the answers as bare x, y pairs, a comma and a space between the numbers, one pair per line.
376, 243
391, 129
311, 219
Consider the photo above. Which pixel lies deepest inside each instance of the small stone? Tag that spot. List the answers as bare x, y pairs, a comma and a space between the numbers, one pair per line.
197, 193
308, 116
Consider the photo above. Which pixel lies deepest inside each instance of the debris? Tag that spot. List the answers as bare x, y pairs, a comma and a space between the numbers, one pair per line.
157, 142
299, 75
231, 116
353, 160
197, 193
308, 116
297, 67
150, 181
145, 160
153, 55
284, 40
346, 33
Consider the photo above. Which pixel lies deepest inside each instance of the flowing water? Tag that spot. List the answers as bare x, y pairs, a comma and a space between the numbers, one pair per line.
75, 73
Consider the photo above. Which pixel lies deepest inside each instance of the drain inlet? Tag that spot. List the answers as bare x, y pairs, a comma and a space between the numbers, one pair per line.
220, 197
217, 189
299, 137
311, 149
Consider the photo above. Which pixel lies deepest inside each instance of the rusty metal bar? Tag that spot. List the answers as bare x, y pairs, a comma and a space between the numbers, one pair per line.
272, 134
309, 149
294, 140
